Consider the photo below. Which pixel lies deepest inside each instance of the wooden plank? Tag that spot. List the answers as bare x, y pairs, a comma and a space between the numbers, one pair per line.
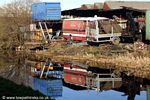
33, 43
108, 79
104, 74
47, 71
42, 71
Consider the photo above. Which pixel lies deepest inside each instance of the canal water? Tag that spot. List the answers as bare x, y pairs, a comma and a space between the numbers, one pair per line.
73, 80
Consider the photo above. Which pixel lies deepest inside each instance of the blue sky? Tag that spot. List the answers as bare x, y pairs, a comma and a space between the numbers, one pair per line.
69, 4
69, 94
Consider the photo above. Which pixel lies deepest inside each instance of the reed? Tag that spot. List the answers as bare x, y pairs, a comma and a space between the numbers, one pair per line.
118, 56
130, 60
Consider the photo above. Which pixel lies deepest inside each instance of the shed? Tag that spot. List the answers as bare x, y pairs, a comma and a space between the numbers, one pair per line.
46, 11
87, 6
140, 5
98, 5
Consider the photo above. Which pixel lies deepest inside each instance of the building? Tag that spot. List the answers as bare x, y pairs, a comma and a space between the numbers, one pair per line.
110, 8
139, 5
92, 6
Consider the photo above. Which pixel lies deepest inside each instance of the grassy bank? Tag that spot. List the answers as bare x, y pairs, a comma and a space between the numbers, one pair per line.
122, 56
8, 88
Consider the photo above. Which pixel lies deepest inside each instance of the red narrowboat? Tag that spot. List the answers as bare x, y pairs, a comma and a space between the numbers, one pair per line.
77, 28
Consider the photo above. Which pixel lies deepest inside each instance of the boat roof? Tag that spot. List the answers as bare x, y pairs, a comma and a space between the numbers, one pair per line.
88, 18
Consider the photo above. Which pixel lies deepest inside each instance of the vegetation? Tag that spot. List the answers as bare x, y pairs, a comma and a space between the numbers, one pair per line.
15, 17
121, 56
8, 88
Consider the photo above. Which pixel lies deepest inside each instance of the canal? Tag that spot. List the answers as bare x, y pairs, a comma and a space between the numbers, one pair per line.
69, 80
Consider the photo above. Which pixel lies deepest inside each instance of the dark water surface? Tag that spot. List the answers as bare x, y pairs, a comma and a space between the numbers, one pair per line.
74, 81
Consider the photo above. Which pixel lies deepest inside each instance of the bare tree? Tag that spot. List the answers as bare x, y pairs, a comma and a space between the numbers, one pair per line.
13, 16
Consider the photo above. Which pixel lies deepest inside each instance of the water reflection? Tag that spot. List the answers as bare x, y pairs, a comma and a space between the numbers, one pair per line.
25, 72
74, 81
104, 79
131, 87
99, 79
48, 87
47, 69
47, 77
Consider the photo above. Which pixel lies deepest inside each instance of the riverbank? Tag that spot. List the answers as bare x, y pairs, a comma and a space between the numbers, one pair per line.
120, 57
8, 88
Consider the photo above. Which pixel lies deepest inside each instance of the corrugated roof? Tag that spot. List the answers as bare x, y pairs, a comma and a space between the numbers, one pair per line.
87, 6
133, 4
98, 5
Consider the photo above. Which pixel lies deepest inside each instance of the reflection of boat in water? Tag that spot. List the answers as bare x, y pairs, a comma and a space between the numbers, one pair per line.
47, 78
81, 76
75, 74
47, 69
48, 87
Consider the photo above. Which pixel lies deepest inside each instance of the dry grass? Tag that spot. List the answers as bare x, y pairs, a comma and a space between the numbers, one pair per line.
104, 54
103, 50
130, 60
